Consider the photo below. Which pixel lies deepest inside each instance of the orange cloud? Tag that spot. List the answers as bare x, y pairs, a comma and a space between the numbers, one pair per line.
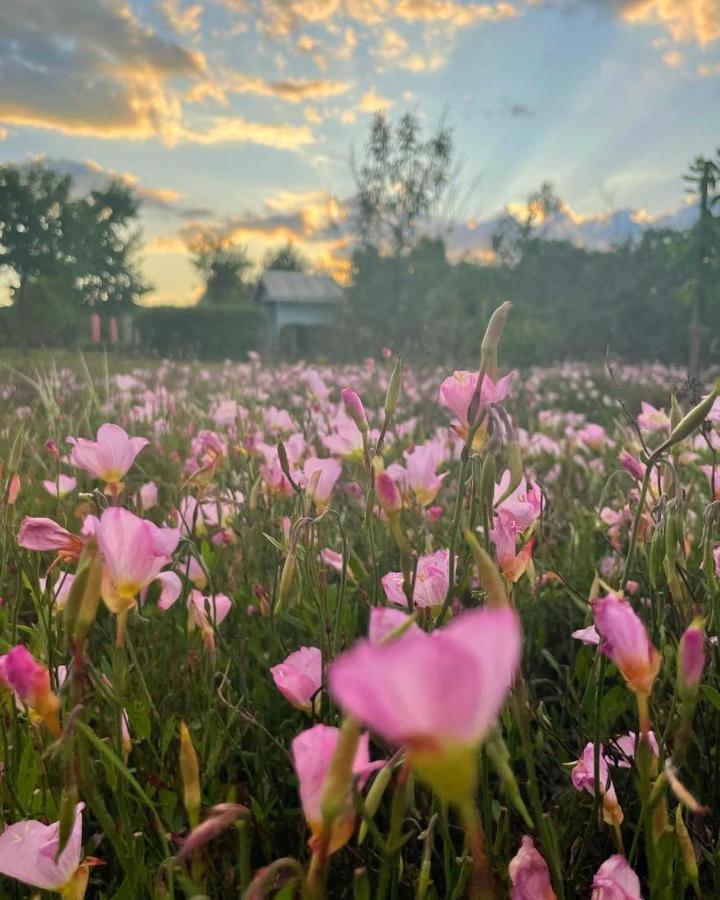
685, 20
184, 21
372, 102
452, 13
237, 130
294, 90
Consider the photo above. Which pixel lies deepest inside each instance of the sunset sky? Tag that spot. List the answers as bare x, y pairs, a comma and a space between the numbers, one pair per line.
238, 116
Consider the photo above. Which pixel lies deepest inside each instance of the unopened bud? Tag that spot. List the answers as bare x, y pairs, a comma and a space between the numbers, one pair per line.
393, 390
286, 579
84, 597
491, 340
694, 419
355, 409
388, 494
338, 781
691, 659
373, 799
490, 577
219, 818
66, 819
631, 465
190, 772
687, 851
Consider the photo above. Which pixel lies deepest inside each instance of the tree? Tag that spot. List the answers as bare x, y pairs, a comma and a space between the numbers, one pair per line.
82, 248
286, 259
400, 178
33, 200
222, 267
704, 176
104, 247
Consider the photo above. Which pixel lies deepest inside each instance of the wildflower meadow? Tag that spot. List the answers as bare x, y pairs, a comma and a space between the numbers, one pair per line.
370, 631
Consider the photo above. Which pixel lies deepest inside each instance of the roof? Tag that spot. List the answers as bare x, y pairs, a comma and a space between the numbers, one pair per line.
277, 286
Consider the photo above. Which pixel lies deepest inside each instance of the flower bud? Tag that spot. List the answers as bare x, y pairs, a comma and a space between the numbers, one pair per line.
491, 340
190, 772
393, 389
690, 422
374, 796
84, 597
687, 851
388, 494
338, 782
489, 575
286, 579
691, 659
355, 409
631, 464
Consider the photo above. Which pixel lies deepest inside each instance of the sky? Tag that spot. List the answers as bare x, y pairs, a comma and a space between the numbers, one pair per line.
238, 117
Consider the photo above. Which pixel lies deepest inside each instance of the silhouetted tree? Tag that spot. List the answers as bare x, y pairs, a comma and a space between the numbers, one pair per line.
286, 259
223, 268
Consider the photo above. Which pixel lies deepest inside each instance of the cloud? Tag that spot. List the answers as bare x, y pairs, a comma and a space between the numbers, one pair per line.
456, 14
4, 134
237, 130
372, 102
90, 69
684, 20
673, 59
184, 21
293, 90
394, 50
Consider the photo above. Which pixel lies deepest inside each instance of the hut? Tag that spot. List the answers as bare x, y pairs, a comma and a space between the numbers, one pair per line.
299, 308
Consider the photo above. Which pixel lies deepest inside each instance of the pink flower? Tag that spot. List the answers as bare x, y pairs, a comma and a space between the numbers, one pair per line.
652, 419
626, 745
457, 391
383, 621
420, 467
583, 778
28, 850
387, 493
593, 436
312, 751
64, 485
110, 456
30, 681
45, 534
431, 581
134, 552
529, 874
345, 440
148, 495
615, 880
299, 677
170, 589
61, 588
625, 640
691, 657
215, 607
329, 471
435, 694
355, 409
587, 635
632, 465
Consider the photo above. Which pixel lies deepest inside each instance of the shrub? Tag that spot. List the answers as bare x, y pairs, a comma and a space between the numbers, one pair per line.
200, 332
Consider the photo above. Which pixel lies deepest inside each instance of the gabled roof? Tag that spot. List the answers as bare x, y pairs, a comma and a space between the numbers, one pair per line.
277, 286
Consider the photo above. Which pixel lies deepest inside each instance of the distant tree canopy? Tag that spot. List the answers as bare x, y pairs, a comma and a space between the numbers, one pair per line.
286, 259
85, 246
643, 299
223, 269
400, 176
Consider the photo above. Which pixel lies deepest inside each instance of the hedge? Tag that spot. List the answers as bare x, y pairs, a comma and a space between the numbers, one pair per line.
200, 332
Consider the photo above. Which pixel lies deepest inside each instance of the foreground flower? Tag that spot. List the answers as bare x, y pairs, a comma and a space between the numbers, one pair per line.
299, 677
458, 390
30, 681
134, 552
625, 640
28, 850
615, 880
435, 694
312, 751
529, 874
691, 658
110, 456
328, 472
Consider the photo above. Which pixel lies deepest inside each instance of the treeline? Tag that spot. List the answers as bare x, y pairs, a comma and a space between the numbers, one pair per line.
656, 298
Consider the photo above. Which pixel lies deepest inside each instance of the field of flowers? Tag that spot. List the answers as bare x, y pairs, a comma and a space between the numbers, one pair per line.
371, 632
